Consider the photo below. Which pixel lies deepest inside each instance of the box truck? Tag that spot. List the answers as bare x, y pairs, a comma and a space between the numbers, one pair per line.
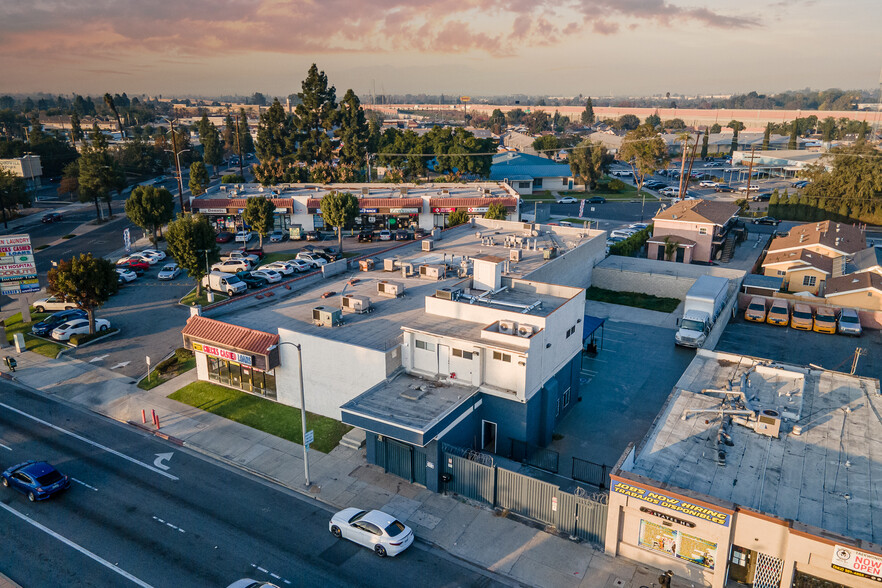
704, 302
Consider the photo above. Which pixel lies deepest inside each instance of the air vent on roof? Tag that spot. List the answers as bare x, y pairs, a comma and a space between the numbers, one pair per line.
403, 190
448, 293
768, 422
428, 244
445, 191
514, 255
365, 191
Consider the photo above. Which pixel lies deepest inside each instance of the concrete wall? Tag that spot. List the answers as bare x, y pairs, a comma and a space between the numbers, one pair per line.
649, 276
335, 267
574, 267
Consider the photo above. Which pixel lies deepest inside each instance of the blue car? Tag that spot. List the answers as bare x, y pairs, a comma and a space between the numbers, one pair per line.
36, 479
48, 324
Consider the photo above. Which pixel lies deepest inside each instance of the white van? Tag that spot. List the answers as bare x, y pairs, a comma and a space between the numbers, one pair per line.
229, 284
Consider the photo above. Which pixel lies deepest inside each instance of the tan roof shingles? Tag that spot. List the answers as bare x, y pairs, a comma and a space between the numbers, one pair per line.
837, 236
227, 335
700, 211
806, 257
854, 282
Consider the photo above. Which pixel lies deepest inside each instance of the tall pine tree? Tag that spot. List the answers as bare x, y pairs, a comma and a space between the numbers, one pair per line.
314, 116
353, 132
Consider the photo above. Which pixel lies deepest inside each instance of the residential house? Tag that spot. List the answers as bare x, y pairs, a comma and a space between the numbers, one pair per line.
867, 260
802, 270
698, 227
530, 173
862, 290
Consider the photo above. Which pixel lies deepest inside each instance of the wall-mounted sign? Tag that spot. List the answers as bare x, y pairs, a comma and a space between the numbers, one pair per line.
20, 287
857, 563
212, 210
443, 210
369, 210
473, 210
7, 258
223, 353
404, 210
666, 517
15, 240
281, 210
677, 544
694, 510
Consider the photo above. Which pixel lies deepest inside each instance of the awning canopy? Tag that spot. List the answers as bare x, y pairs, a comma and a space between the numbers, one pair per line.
589, 325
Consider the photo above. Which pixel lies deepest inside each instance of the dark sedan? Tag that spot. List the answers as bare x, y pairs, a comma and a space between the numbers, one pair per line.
52, 217
312, 236
723, 188
36, 479
45, 326
596, 200
253, 282
365, 237
224, 237
766, 220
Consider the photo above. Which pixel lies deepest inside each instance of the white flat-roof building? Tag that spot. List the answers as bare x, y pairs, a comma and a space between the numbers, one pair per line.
756, 472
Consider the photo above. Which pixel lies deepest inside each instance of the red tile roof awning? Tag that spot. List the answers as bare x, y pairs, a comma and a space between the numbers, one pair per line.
227, 335
476, 202
376, 203
199, 204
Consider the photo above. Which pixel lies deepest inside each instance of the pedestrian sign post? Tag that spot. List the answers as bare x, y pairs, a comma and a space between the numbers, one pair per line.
309, 438
127, 239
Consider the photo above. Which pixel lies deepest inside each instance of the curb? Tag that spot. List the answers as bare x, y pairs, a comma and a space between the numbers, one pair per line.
96, 339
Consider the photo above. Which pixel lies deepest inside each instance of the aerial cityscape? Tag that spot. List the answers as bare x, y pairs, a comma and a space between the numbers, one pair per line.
582, 294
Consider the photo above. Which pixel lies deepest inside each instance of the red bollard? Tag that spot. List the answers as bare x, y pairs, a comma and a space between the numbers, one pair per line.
154, 417
143, 416
157, 423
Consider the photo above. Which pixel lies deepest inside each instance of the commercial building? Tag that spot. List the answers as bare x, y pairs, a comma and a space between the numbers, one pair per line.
298, 206
530, 173
26, 166
699, 228
471, 338
758, 473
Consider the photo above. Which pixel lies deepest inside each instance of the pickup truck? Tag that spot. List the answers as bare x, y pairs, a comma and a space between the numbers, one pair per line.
240, 255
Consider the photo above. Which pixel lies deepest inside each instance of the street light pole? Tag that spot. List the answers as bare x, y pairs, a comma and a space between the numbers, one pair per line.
302, 405
177, 155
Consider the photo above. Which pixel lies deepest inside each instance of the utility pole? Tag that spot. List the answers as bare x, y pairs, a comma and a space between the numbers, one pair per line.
692, 159
857, 355
239, 148
177, 166
683, 165
750, 169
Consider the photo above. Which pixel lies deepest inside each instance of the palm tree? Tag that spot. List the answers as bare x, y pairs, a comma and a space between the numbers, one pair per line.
108, 99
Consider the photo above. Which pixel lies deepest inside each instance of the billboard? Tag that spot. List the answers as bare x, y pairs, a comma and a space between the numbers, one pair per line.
18, 268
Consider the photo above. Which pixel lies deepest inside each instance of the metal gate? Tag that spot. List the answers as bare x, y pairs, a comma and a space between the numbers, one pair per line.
470, 479
526, 496
590, 472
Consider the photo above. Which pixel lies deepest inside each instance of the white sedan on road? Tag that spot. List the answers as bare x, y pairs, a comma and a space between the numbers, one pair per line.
707, 184
374, 529
567, 200
244, 236
78, 327
126, 275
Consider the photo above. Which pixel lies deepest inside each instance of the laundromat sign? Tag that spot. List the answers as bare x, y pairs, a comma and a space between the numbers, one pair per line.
694, 510
222, 353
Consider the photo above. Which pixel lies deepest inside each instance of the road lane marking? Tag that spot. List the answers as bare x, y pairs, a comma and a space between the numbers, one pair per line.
161, 457
274, 575
82, 550
168, 524
84, 484
90, 442
5, 447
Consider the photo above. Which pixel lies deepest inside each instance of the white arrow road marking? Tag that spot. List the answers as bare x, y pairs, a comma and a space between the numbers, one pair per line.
82, 550
90, 442
121, 365
99, 358
84, 484
5, 447
161, 457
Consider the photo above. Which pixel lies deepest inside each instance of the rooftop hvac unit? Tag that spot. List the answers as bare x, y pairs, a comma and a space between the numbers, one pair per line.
365, 191
507, 327
324, 316
390, 289
260, 189
768, 422
358, 304
445, 191
403, 190
388, 265
514, 255
428, 245
448, 293
525, 331
433, 272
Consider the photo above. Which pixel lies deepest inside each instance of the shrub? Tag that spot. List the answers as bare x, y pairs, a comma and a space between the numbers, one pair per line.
86, 337
616, 185
633, 244
232, 179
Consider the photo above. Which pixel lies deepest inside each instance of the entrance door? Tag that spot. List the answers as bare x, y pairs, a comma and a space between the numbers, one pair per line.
488, 437
741, 565
444, 360
660, 253
681, 252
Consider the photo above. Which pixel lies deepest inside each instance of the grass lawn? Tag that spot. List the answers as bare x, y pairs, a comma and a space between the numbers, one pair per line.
278, 256
191, 298
539, 196
578, 221
262, 414
636, 299
162, 374
35, 344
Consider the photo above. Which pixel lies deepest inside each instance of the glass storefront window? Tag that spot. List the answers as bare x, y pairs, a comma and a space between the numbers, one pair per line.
241, 377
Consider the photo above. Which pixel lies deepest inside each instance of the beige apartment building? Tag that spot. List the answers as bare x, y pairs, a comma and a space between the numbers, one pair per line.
698, 227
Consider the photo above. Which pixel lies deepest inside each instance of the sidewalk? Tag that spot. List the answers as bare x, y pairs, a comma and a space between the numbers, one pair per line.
342, 478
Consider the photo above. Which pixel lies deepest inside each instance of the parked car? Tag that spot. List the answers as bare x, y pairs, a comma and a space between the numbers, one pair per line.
52, 217
766, 220
46, 326
224, 282
756, 310
385, 235
169, 271
799, 184
251, 281
638, 226
779, 313
240, 255
312, 236
762, 197
330, 253
269, 275
52, 303
419, 233
373, 529
244, 236
281, 267
801, 318
748, 188
299, 265
654, 185
159, 254
224, 237
567, 200
37, 480
278, 236
126, 275
365, 237
825, 320
232, 266
136, 265
723, 188
596, 200
402, 235
707, 184
78, 326
849, 322
249, 583
621, 173
313, 258
624, 233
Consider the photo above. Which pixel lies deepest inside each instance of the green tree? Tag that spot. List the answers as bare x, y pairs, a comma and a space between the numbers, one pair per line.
108, 99
229, 135
704, 142
675, 124
191, 241
496, 211
100, 174
715, 128
627, 122
70, 180
793, 144
644, 149
855, 175
274, 133
828, 129
76, 130
588, 114
246, 143
588, 162
199, 180
353, 131
547, 145
230, 179
271, 171
496, 122
457, 217
85, 281
212, 150
259, 215
339, 209
736, 126
653, 119
150, 208
537, 121
314, 116
13, 193
767, 136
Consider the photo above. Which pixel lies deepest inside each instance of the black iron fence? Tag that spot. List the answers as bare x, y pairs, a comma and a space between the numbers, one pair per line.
538, 457
590, 473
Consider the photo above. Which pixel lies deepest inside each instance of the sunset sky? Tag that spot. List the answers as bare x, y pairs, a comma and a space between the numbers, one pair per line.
479, 47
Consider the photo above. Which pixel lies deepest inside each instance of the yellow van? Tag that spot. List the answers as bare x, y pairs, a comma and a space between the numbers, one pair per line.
825, 320
802, 317
779, 313
756, 310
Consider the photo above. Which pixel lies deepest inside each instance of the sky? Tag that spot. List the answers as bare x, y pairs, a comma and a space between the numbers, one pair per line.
455, 47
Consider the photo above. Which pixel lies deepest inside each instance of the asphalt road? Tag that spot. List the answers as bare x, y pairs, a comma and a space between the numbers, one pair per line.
136, 517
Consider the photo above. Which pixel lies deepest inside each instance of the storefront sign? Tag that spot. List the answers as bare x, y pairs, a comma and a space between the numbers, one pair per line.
222, 353
667, 517
17, 271
443, 210
701, 512
16, 250
404, 210
369, 210
281, 210
15, 240
478, 209
857, 563
213, 210
677, 544
20, 287
8, 258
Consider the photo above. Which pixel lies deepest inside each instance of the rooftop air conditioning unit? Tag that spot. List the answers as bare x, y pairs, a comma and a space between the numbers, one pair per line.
445, 191
507, 327
768, 422
365, 191
327, 317
514, 255
223, 188
448, 293
357, 304
390, 289
433, 272
525, 331
389, 264
403, 190
428, 245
